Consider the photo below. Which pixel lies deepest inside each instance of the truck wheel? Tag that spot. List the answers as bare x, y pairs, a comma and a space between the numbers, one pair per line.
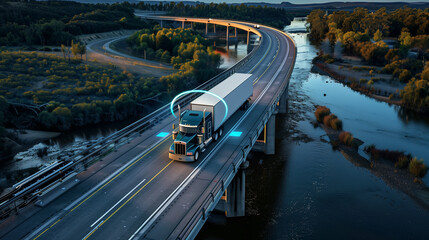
197, 155
215, 136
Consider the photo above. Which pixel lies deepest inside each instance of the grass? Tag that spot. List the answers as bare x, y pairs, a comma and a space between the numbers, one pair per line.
417, 168
402, 162
393, 156
321, 112
346, 138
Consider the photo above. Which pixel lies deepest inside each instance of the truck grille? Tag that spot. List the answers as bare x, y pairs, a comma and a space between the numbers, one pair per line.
180, 148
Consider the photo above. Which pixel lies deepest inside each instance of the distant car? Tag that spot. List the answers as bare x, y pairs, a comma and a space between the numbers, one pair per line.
256, 26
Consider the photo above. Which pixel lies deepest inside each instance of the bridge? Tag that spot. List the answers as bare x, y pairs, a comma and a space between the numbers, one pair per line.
133, 190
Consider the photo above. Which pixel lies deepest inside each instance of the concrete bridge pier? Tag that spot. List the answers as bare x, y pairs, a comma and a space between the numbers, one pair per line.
207, 28
270, 136
183, 24
162, 24
282, 108
233, 200
235, 195
227, 36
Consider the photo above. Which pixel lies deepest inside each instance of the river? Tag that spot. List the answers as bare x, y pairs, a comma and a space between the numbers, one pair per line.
310, 191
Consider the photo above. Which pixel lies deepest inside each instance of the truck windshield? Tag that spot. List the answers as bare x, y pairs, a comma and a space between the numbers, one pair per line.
188, 129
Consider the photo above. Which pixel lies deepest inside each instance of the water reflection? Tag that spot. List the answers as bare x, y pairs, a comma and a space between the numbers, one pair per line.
309, 190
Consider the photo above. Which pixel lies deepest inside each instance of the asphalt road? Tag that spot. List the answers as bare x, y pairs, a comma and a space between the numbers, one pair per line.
101, 51
118, 195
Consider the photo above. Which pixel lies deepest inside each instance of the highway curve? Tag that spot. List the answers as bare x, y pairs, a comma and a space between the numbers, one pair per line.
129, 190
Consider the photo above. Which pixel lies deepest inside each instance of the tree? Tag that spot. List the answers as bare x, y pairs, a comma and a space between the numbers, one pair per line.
378, 36
3, 113
405, 38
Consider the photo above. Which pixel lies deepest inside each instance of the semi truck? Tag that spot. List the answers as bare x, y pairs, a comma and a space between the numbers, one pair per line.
203, 122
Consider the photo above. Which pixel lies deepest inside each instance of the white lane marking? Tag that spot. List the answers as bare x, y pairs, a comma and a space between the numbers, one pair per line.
149, 221
116, 204
73, 204
112, 175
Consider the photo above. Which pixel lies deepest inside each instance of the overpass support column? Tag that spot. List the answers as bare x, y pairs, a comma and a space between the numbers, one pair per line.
161, 24
248, 39
227, 36
235, 195
207, 28
235, 32
183, 24
214, 28
270, 140
192, 25
283, 102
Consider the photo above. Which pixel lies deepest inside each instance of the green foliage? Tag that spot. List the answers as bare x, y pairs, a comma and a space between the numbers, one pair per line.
402, 162
3, 113
275, 17
56, 22
378, 35
77, 94
321, 112
318, 25
186, 50
417, 168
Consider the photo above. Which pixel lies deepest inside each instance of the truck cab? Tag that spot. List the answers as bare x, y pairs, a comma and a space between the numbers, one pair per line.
194, 132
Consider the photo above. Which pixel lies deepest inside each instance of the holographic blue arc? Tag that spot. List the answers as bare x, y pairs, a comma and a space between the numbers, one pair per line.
199, 91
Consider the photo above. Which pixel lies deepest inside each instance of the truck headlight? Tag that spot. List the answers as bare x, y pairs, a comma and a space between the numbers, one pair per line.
171, 151
189, 154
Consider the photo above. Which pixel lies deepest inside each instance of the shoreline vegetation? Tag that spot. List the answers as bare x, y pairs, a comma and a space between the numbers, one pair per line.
382, 54
397, 169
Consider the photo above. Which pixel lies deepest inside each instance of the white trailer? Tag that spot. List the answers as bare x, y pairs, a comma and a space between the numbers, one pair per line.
235, 91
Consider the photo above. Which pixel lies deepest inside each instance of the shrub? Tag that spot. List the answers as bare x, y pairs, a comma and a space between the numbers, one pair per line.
346, 138
417, 168
336, 124
327, 119
321, 112
402, 162
362, 81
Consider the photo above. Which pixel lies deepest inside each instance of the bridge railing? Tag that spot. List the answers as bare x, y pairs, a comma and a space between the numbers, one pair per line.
210, 201
27, 189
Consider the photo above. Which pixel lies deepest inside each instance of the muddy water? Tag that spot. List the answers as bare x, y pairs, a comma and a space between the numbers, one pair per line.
310, 191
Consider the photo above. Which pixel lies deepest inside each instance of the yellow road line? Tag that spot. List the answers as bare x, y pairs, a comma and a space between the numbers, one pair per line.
269, 65
129, 199
269, 47
105, 186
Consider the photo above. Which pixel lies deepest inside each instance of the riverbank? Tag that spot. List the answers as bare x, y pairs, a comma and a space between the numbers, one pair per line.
381, 91
398, 178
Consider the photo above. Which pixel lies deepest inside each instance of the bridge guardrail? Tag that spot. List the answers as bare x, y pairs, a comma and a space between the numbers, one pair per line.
50, 175
209, 203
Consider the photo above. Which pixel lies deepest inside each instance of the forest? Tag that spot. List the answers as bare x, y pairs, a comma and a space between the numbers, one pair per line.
57, 22
362, 33
185, 49
275, 17
75, 92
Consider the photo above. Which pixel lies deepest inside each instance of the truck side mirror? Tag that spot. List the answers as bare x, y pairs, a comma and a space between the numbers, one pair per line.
174, 134
174, 126
200, 138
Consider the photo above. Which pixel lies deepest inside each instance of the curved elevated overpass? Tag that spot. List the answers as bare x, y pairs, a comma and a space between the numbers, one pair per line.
137, 192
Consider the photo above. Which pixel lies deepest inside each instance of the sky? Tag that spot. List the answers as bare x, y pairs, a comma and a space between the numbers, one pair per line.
302, 1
